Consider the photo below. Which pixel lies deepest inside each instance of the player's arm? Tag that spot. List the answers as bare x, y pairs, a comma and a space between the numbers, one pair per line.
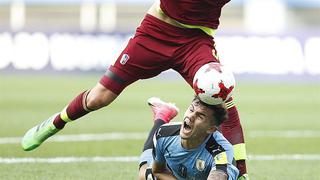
217, 175
160, 172
223, 159
159, 169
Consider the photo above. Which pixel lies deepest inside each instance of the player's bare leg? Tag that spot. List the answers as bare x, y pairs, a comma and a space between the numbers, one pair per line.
81, 105
162, 113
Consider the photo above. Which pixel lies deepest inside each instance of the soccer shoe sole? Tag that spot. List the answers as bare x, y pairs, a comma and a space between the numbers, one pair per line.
155, 100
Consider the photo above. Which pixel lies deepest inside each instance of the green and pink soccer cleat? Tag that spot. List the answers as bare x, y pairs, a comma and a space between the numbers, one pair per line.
38, 134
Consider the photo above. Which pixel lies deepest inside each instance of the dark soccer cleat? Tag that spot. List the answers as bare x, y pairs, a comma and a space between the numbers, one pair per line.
162, 110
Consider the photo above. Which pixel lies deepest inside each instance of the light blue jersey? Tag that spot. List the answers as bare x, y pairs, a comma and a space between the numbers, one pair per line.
194, 164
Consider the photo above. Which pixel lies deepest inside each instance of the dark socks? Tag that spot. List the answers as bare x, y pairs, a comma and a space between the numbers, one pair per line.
232, 130
149, 143
73, 111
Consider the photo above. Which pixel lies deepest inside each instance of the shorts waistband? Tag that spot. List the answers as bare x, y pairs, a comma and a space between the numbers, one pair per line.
154, 23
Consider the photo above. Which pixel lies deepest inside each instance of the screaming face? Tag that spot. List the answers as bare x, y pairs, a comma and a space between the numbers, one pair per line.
198, 122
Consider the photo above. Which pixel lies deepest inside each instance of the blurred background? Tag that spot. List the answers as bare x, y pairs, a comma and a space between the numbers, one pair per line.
50, 50
255, 36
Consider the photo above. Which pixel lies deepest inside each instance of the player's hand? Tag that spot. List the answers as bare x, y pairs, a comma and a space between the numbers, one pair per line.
217, 175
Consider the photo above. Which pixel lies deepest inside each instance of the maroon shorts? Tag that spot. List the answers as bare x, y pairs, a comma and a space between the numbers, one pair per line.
156, 47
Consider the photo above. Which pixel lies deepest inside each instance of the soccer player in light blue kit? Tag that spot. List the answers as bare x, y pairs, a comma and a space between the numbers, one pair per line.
193, 150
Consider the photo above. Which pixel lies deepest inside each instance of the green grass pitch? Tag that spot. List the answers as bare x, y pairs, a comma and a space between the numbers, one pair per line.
273, 109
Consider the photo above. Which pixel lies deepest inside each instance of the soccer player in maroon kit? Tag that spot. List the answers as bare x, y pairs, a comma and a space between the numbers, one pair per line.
174, 34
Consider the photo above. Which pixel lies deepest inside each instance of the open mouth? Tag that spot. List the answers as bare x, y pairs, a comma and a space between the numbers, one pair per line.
186, 127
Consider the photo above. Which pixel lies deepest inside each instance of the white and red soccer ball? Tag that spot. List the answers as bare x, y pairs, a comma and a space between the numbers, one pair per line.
213, 83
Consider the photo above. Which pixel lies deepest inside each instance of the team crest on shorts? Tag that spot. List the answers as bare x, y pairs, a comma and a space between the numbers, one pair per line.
124, 59
200, 164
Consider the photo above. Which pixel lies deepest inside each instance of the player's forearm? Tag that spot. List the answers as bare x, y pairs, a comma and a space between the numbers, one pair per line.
217, 175
160, 171
164, 176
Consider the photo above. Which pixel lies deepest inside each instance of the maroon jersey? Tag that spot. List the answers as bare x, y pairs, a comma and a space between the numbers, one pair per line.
194, 12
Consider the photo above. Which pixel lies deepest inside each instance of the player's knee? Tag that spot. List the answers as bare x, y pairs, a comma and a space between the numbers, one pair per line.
99, 96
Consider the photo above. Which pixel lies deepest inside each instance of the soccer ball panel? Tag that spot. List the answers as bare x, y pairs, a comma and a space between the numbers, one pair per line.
213, 83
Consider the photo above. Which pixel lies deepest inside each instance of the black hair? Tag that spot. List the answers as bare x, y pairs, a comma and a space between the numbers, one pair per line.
219, 111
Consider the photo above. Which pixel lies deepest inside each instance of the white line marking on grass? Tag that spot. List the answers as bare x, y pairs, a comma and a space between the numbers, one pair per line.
285, 134
280, 157
83, 137
287, 157
68, 159
143, 135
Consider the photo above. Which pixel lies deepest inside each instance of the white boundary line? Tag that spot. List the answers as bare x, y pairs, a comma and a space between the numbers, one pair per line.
84, 137
55, 160
285, 134
143, 135
286, 157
